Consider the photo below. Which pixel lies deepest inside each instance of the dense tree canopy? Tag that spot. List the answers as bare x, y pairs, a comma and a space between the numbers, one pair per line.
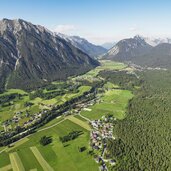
144, 135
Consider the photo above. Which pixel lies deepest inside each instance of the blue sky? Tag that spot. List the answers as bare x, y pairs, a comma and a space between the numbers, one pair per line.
97, 20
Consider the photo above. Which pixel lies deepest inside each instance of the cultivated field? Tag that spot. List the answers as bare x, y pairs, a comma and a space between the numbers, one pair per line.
16, 162
113, 101
79, 122
56, 156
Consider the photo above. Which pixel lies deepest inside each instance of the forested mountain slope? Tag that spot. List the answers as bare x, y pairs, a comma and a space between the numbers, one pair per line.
31, 55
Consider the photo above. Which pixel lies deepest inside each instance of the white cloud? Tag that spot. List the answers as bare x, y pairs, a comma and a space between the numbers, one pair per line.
65, 29
133, 29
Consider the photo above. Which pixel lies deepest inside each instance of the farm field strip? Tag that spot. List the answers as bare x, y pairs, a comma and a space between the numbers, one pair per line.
16, 162
41, 160
79, 122
6, 168
56, 154
33, 170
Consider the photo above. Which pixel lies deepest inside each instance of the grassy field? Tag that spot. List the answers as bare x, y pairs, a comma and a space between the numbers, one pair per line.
58, 156
7, 168
79, 122
105, 65
41, 160
113, 102
16, 162
52, 122
11, 91
69, 96
109, 85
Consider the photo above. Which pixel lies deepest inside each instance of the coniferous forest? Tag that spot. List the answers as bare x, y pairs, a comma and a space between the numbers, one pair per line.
144, 136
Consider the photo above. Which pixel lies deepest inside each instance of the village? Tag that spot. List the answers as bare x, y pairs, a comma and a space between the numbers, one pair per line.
18, 116
102, 129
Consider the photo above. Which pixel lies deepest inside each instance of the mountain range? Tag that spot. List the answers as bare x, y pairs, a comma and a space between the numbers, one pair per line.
127, 49
138, 51
156, 41
92, 50
31, 56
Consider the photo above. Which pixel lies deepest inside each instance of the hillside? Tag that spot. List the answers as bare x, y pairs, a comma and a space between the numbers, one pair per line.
158, 56
137, 51
127, 49
31, 55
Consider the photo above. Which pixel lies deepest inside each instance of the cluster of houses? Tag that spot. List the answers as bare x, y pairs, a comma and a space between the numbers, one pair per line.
84, 106
34, 118
15, 119
19, 115
102, 129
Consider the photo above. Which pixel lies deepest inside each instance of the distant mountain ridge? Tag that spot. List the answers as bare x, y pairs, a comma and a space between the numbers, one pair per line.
127, 49
92, 50
31, 55
156, 41
138, 51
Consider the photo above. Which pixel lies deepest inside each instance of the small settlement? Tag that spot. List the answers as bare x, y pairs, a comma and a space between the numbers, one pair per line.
102, 129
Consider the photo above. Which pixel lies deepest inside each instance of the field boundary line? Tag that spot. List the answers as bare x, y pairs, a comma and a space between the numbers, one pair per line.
3, 150
16, 162
6, 168
19, 142
40, 159
84, 117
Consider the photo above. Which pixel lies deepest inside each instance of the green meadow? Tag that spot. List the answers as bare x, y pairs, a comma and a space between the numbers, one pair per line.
112, 101
105, 65
57, 155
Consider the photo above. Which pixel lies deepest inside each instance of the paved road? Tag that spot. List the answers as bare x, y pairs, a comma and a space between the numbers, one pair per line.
3, 150
84, 117
51, 126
